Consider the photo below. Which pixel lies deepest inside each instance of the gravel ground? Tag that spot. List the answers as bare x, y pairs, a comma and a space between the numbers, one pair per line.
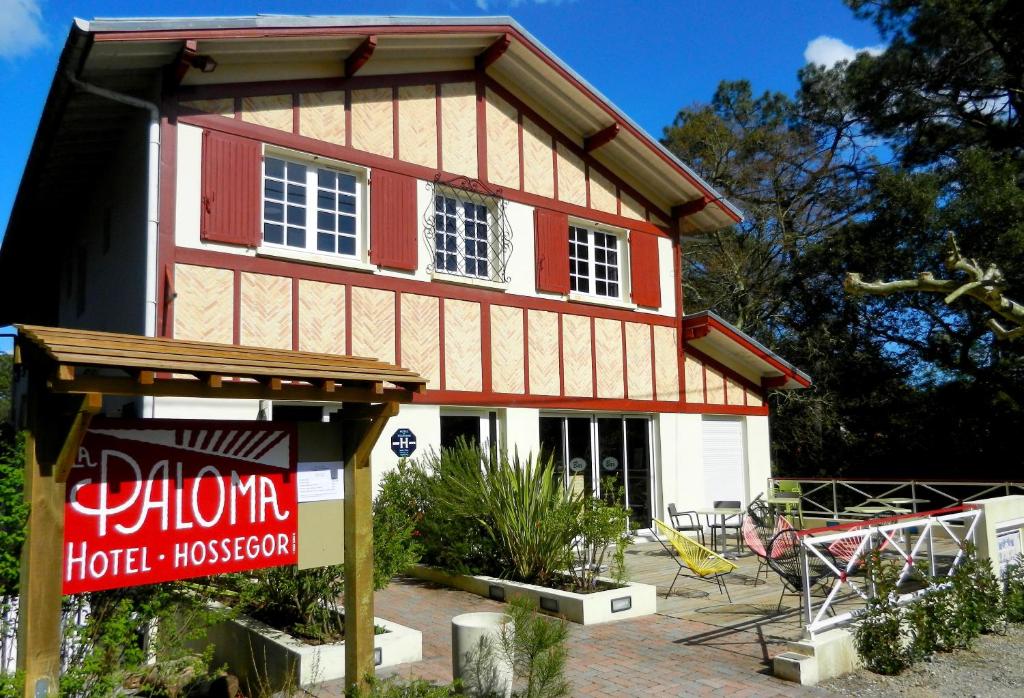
993, 668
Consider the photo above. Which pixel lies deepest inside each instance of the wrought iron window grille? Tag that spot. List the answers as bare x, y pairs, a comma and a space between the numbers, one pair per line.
466, 230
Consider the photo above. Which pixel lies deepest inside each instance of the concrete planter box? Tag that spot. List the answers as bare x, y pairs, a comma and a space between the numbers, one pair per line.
265, 657
630, 601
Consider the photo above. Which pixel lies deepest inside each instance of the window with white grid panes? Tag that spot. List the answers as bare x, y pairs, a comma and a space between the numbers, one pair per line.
462, 242
309, 208
594, 262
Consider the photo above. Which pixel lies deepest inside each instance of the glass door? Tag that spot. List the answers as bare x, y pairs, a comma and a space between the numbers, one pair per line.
638, 469
611, 459
579, 452
604, 456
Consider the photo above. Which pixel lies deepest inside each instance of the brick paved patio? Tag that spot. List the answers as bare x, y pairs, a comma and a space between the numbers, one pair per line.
697, 643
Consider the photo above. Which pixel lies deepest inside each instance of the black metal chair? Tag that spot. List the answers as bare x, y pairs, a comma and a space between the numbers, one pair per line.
690, 524
785, 558
731, 524
759, 526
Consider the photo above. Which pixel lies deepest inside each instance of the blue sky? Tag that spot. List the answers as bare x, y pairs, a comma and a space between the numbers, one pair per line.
650, 58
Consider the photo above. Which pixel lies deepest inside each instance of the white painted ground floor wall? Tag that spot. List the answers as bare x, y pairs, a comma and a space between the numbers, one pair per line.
677, 448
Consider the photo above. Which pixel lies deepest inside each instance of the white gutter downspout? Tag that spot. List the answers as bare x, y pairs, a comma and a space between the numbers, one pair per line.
152, 202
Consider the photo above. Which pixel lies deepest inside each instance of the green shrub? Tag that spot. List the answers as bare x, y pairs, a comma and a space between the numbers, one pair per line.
1013, 591
879, 636
537, 647
601, 525
396, 688
396, 543
300, 602
13, 509
453, 539
124, 628
975, 604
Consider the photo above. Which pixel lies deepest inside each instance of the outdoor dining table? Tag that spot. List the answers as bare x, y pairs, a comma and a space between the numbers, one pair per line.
722, 513
899, 501
871, 511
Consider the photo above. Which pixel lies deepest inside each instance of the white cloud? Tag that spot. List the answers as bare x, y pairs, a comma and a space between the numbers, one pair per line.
828, 50
20, 30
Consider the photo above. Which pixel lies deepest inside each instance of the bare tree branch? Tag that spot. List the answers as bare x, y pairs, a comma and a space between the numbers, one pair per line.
982, 284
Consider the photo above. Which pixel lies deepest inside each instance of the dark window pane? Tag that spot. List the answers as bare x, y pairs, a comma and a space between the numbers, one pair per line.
481, 212
296, 172
601, 288
296, 237
449, 206
451, 263
439, 221
347, 204
325, 220
584, 286
346, 183
481, 268
347, 245
325, 242
273, 211
296, 194
296, 215
273, 167
453, 428
273, 233
325, 200
552, 445
471, 266
346, 224
326, 179
273, 189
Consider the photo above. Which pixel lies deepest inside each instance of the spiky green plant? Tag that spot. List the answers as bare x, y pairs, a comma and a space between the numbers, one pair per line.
519, 504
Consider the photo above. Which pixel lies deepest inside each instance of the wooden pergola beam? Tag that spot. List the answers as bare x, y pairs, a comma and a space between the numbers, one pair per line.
237, 390
91, 404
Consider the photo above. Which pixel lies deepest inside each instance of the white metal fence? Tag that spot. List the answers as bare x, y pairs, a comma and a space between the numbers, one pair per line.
830, 497
74, 614
935, 541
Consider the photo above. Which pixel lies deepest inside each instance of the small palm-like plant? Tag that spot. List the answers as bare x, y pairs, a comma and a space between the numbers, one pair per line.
520, 505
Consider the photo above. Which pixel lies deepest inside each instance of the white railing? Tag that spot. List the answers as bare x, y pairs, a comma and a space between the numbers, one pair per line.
914, 539
75, 613
830, 497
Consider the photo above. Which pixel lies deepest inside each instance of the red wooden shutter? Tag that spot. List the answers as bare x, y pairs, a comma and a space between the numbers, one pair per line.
551, 239
394, 228
644, 273
231, 189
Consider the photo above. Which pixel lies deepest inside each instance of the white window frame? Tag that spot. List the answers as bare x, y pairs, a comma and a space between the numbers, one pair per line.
622, 263
484, 418
309, 252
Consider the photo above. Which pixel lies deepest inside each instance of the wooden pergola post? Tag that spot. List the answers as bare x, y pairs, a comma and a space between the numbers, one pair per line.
56, 425
363, 425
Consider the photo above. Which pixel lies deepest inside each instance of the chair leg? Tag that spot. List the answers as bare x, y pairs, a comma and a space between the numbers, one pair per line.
778, 608
721, 581
669, 592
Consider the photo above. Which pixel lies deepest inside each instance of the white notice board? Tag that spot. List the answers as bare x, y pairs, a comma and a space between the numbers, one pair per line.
1008, 545
321, 481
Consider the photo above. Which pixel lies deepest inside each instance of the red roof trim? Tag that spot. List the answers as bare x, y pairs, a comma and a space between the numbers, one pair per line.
701, 325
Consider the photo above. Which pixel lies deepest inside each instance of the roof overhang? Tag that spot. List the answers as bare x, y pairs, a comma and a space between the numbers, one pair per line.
712, 336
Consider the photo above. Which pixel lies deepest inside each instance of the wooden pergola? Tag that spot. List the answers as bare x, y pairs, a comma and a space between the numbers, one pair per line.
68, 372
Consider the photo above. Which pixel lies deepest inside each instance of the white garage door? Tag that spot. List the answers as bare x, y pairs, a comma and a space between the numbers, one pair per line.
724, 461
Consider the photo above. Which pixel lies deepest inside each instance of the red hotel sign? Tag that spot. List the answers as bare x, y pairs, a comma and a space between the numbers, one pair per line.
158, 500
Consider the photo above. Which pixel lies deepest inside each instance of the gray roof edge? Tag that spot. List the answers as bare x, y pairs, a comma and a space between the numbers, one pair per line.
129, 24
718, 318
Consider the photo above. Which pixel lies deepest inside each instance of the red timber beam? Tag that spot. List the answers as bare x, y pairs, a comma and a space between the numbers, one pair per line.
358, 58
602, 137
690, 207
493, 52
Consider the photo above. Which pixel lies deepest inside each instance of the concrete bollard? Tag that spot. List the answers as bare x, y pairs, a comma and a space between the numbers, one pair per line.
478, 657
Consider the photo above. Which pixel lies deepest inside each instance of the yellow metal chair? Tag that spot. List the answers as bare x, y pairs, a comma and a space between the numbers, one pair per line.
690, 555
